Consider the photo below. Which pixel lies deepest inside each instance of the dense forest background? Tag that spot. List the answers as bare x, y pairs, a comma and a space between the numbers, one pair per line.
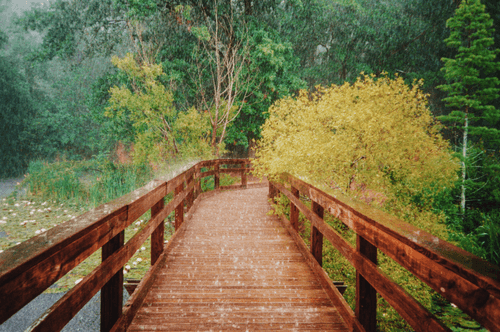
167, 80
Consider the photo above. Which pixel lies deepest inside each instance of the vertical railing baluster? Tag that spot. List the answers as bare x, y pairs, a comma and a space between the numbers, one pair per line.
157, 237
316, 236
244, 175
216, 175
179, 210
190, 197
112, 291
294, 211
197, 183
273, 192
366, 295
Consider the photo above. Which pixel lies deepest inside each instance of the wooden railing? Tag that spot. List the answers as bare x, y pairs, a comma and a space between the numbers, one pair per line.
469, 282
31, 267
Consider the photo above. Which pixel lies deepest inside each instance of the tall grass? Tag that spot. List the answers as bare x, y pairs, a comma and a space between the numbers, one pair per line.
88, 183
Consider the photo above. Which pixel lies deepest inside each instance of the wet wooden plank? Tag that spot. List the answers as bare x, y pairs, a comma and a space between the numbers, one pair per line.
236, 268
366, 295
57, 316
412, 311
112, 291
469, 266
42, 271
158, 234
461, 277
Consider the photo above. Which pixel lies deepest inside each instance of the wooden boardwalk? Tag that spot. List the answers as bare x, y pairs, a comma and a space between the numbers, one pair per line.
236, 268
230, 266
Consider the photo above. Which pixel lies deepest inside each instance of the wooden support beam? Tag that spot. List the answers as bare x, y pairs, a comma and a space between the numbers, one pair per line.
190, 197
316, 236
216, 175
179, 210
244, 176
366, 295
273, 192
112, 292
157, 237
294, 211
197, 182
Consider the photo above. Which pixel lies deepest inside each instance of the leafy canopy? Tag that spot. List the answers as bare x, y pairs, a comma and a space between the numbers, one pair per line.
471, 87
159, 128
376, 133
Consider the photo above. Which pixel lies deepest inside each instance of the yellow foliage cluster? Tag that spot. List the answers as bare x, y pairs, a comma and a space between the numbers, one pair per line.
376, 134
160, 130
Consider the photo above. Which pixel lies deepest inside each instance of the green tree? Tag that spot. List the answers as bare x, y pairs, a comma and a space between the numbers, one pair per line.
15, 109
471, 86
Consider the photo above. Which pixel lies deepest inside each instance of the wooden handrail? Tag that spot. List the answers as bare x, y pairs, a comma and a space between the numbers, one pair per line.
464, 279
31, 267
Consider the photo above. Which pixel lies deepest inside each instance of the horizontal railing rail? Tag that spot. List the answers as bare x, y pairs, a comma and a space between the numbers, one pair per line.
31, 267
466, 280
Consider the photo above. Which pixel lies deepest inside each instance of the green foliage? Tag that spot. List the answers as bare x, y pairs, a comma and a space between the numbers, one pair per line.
160, 131
471, 87
81, 28
88, 183
148, 105
335, 40
16, 108
192, 130
271, 64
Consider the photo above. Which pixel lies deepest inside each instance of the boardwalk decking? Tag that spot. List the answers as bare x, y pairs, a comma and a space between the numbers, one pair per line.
236, 268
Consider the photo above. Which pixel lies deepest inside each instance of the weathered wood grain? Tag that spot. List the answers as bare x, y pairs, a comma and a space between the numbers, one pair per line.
56, 317
179, 210
158, 234
250, 275
112, 291
330, 288
419, 318
216, 175
316, 236
469, 266
474, 293
366, 295
294, 211
41, 271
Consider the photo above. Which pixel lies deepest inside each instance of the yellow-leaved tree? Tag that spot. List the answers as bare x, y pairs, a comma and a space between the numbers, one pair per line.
374, 135
160, 131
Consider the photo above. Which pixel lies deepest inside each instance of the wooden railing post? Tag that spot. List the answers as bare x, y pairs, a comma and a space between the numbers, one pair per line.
244, 175
179, 210
294, 211
158, 234
366, 295
316, 235
216, 175
273, 192
197, 183
190, 197
112, 291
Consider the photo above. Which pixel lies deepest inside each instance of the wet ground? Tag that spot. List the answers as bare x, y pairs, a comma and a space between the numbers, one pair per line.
88, 319
7, 186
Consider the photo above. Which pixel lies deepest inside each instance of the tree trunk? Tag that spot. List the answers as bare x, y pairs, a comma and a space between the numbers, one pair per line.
464, 173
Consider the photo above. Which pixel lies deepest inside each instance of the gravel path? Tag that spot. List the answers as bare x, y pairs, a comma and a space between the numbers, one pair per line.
7, 186
87, 320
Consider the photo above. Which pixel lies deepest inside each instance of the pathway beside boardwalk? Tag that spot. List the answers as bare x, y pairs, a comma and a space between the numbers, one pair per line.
236, 268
